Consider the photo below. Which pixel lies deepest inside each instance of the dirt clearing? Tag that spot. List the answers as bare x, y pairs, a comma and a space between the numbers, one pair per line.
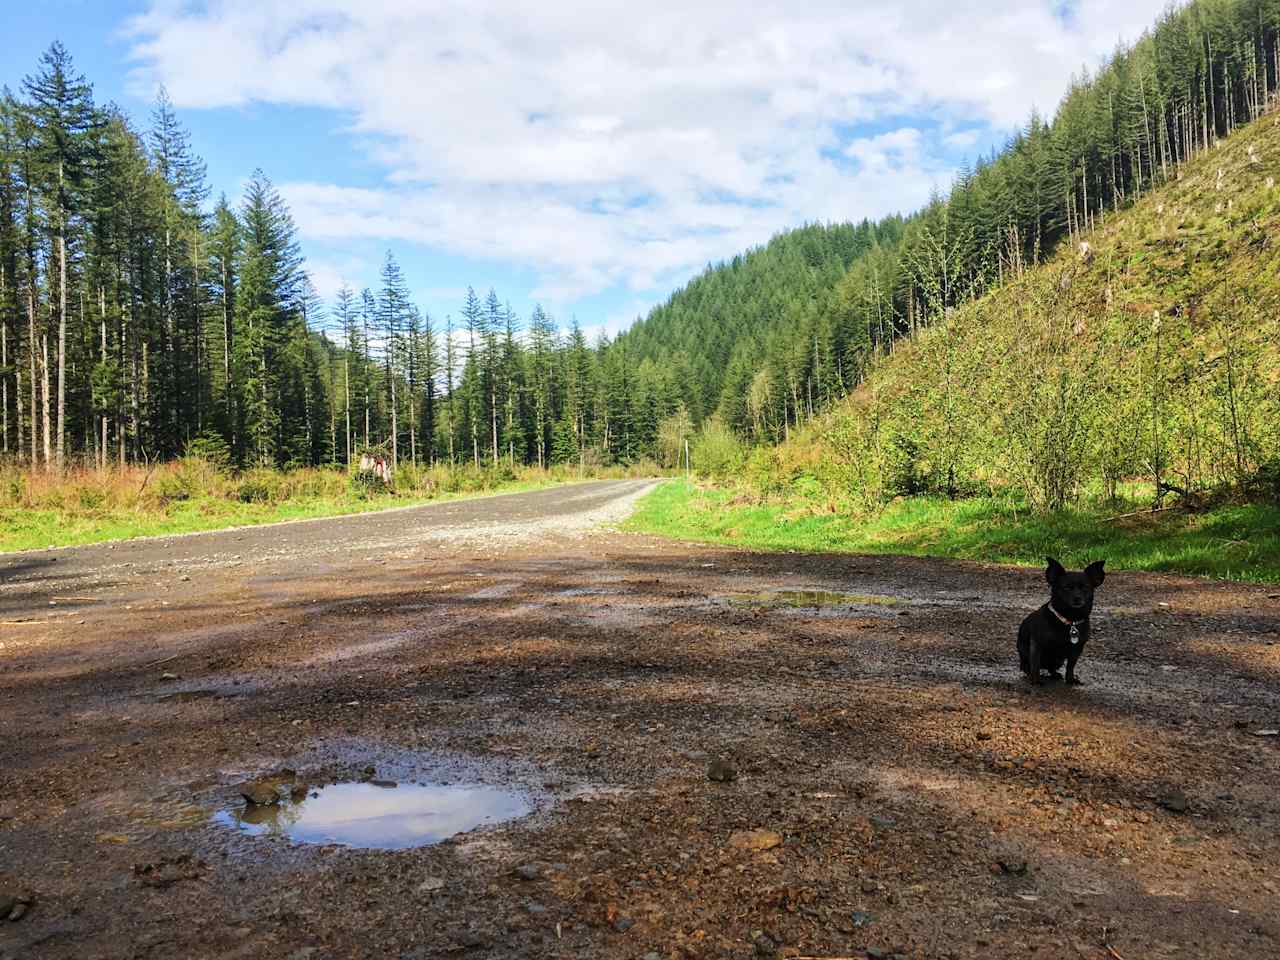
886, 784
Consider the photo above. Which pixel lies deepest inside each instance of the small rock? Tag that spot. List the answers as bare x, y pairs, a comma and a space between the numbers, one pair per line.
870, 886
755, 840
536, 909
18, 908
1175, 802
623, 924
984, 734
262, 793
186, 579
862, 919
528, 871
875, 953
883, 823
1016, 868
169, 676
7, 902
431, 885
651, 955
722, 771
1266, 733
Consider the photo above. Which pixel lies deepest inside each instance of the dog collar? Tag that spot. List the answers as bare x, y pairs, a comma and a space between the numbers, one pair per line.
1073, 628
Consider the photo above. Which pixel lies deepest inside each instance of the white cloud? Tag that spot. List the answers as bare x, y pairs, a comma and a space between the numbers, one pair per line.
961, 139
608, 148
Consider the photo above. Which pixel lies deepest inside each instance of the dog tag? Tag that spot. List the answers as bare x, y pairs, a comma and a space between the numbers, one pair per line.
1075, 633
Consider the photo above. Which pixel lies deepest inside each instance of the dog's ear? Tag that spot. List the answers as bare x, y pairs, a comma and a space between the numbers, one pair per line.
1054, 571
1095, 574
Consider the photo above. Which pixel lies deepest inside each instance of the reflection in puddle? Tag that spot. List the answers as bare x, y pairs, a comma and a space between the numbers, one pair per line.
380, 815
810, 598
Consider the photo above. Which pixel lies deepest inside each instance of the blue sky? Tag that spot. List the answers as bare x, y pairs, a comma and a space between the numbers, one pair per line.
576, 154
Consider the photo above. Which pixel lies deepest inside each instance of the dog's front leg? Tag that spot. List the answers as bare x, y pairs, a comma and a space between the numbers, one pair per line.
1071, 670
1033, 661
1074, 654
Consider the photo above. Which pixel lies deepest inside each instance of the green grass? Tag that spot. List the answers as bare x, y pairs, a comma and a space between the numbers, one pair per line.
34, 529
1240, 542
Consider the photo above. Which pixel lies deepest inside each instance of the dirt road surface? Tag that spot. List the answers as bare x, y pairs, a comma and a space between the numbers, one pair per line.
899, 790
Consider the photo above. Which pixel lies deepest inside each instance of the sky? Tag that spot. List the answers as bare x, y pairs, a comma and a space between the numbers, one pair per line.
591, 157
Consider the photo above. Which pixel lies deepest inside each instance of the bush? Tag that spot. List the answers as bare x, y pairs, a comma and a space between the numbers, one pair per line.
367, 483
717, 451
259, 486
1264, 484
212, 449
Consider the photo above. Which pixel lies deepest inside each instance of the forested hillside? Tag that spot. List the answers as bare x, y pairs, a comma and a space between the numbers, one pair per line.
138, 319
1150, 351
1205, 69
779, 304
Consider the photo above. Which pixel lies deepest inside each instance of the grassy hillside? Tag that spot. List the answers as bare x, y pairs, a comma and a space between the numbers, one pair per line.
1139, 369
1151, 351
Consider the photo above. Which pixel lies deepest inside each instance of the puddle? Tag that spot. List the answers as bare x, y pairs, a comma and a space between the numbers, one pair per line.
379, 815
810, 598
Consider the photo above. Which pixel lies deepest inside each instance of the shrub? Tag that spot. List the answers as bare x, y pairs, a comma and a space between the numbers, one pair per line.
212, 449
259, 486
367, 483
717, 451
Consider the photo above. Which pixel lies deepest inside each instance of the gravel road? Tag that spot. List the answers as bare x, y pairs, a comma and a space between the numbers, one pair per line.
897, 789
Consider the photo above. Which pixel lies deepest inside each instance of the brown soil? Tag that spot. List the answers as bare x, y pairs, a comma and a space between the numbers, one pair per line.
928, 802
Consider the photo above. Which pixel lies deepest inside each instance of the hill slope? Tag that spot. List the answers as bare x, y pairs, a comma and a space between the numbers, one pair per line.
1149, 351
784, 289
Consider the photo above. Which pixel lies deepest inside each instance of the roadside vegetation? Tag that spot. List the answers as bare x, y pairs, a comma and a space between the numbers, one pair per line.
1121, 400
81, 506
1231, 541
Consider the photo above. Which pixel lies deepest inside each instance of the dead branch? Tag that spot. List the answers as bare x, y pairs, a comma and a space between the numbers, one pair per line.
1142, 513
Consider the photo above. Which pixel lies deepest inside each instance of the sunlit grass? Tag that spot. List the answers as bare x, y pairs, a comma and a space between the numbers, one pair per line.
1236, 542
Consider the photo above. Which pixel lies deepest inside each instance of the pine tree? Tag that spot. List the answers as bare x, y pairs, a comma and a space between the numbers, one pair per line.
473, 318
351, 344
542, 345
185, 363
64, 117
268, 310
393, 308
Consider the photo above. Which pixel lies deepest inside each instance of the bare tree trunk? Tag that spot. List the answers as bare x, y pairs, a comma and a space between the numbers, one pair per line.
62, 326
17, 396
346, 390
102, 315
226, 353
198, 329
413, 432
31, 355
4, 382
493, 414
47, 398
395, 423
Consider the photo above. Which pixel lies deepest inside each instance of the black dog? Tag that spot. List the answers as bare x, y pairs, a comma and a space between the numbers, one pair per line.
1058, 631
